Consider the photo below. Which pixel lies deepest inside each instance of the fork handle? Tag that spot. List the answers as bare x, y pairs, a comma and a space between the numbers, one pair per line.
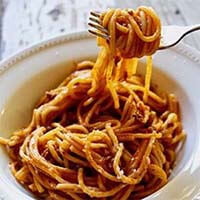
185, 30
192, 28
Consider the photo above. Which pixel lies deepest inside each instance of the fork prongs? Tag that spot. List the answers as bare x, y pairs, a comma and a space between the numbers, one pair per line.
96, 14
99, 34
97, 28
95, 20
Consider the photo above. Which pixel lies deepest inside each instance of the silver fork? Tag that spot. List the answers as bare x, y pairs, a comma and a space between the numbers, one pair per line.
170, 36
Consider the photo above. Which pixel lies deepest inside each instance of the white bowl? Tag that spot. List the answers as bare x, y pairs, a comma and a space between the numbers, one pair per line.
25, 76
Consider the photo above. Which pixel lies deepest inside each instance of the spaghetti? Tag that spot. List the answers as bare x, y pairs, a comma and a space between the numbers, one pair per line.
132, 33
103, 133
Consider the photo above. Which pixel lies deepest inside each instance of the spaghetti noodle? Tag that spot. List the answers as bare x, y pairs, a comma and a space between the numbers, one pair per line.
103, 133
132, 33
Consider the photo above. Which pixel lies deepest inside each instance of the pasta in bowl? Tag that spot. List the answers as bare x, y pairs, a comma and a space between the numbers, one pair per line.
89, 144
104, 132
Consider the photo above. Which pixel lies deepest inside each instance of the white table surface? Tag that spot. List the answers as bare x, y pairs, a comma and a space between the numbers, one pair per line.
23, 22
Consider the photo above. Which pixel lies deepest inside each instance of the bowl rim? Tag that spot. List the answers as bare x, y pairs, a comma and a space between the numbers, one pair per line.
7, 62
20, 55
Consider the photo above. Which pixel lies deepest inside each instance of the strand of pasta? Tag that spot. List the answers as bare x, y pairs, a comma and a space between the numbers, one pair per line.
104, 133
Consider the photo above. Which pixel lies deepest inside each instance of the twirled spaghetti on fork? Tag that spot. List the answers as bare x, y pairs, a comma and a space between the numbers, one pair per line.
103, 133
132, 33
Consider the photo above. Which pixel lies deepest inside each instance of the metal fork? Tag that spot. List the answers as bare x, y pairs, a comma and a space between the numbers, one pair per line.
170, 36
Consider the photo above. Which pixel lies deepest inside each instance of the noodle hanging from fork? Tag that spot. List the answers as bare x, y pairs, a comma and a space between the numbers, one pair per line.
132, 33
104, 132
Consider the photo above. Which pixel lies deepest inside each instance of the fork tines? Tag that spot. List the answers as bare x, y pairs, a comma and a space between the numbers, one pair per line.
96, 14
98, 27
95, 24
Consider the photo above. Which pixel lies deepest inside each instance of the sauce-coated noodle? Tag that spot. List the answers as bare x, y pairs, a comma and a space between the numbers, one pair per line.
103, 133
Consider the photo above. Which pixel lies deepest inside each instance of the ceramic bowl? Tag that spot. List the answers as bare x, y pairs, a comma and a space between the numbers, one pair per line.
25, 76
